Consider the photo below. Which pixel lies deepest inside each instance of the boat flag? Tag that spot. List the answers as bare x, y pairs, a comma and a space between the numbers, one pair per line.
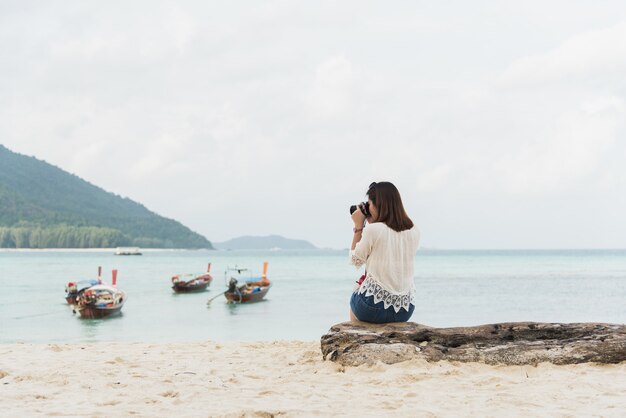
264, 275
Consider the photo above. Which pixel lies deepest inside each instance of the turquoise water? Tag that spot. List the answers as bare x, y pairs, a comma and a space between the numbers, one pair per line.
310, 293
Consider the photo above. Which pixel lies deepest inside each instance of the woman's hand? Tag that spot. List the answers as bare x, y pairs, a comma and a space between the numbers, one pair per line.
359, 223
358, 218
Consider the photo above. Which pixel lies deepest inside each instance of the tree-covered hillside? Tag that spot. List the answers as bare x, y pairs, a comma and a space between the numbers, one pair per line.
42, 206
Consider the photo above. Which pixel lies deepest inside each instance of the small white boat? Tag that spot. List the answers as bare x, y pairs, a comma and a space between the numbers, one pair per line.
127, 251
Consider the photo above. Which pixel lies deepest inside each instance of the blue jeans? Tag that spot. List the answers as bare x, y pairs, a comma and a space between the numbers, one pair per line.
364, 308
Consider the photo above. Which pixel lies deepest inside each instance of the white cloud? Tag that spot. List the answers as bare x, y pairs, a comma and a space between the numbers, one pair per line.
331, 96
590, 53
434, 178
563, 155
159, 158
181, 27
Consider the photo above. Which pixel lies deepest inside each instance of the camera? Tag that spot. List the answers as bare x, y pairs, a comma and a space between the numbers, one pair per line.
364, 207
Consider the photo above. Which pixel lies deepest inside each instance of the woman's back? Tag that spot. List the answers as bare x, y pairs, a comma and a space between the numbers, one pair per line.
392, 257
389, 257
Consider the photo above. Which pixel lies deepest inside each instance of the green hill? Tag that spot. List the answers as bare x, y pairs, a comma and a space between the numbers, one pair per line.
42, 206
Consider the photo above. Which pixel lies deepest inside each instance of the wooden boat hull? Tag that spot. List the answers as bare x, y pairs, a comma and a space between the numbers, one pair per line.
71, 299
95, 312
184, 288
247, 297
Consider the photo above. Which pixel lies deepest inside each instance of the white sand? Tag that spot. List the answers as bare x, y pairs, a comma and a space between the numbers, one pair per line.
286, 379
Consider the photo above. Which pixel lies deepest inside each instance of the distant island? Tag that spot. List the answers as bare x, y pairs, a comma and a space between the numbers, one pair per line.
42, 206
270, 242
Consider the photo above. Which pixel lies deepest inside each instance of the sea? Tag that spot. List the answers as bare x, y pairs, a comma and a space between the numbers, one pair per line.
310, 292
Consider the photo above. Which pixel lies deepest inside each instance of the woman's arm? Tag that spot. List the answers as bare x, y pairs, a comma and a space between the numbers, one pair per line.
359, 223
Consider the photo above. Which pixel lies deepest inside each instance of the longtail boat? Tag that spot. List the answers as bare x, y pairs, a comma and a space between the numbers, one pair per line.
73, 288
186, 283
253, 289
101, 300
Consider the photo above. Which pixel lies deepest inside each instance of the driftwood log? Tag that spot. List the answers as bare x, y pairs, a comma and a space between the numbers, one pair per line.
516, 343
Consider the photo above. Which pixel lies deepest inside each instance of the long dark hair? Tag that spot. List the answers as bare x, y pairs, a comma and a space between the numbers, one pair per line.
386, 198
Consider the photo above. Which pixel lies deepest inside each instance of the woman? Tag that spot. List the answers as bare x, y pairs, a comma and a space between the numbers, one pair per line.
387, 247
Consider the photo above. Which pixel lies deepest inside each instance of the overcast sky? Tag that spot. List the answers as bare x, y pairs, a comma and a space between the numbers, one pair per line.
501, 122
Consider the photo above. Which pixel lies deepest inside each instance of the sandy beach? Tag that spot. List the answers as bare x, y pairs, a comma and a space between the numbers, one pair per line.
286, 378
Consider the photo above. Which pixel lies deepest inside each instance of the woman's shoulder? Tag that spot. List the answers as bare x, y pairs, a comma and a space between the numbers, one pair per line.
381, 226
412, 233
376, 227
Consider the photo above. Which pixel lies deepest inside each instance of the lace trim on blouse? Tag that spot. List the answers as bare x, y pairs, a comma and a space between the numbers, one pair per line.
356, 260
372, 288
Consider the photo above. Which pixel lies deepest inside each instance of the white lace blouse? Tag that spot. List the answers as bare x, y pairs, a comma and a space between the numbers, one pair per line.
388, 257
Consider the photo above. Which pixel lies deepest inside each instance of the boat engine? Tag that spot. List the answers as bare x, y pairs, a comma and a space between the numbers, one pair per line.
232, 285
